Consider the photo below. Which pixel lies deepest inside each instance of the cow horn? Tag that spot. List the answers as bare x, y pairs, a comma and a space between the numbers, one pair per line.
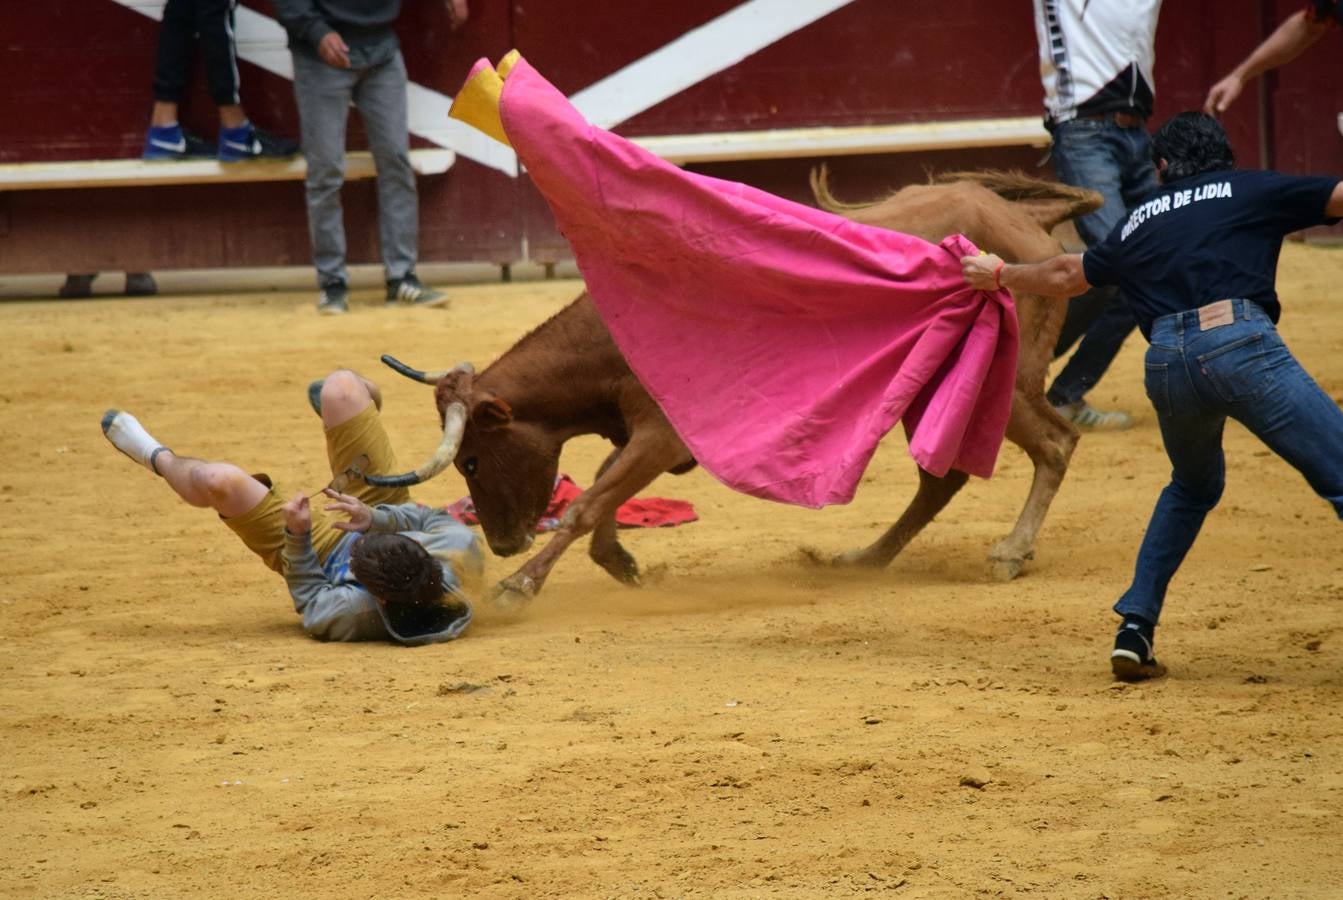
424, 377
454, 422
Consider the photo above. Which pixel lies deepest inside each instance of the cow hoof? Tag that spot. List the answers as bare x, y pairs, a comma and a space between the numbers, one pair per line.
1005, 564
810, 556
621, 566
627, 575
856, 559
513, 594
1005, 569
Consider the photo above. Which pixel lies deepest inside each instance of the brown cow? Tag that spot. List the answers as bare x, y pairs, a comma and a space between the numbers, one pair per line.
504, 428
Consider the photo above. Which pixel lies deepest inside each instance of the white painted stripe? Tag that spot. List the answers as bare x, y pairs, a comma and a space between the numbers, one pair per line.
685, 61
262, 41
695, 56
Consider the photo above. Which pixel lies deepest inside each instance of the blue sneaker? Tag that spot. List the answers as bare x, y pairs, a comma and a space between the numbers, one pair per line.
249, 142
174, 142
165, 142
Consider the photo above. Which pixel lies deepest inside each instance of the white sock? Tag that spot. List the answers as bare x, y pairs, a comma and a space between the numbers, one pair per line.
129, 436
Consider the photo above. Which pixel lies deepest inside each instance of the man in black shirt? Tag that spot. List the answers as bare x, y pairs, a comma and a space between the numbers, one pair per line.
1197, 262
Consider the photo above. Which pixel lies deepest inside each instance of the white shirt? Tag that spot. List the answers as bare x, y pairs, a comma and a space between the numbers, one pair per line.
1096, 56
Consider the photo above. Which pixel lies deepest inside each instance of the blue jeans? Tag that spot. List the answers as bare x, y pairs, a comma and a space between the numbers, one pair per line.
1117, 163
1195, 380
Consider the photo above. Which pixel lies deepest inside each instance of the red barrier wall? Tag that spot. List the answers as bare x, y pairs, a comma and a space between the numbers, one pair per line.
78, 76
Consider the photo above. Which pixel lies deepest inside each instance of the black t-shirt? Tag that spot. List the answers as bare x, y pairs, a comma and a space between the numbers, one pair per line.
1207, 237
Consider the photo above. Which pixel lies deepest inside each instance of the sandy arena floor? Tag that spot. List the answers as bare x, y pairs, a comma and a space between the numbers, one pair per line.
744, 726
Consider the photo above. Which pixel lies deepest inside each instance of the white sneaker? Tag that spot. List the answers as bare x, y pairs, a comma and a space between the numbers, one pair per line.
1088, 418
410, 291
331, 300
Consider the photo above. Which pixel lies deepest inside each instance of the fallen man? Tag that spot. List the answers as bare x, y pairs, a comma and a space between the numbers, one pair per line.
390, 570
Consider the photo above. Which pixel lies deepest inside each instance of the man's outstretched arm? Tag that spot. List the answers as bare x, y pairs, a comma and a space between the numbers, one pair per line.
1058, 276
1288, 40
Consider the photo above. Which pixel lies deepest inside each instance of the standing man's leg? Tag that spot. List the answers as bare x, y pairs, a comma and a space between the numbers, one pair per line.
381, 100
239, 139
172, 65
1082, 311
1194, 445
1099, 346
1091, 153
1287, 410
323, 95
1114, 324
214, 23
1192, 435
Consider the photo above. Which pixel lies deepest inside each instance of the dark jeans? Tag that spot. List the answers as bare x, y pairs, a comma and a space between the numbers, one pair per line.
1196, 380
1115, 162
183, 20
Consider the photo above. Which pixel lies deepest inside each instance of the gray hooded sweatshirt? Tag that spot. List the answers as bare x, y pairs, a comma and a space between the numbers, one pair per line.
336, 607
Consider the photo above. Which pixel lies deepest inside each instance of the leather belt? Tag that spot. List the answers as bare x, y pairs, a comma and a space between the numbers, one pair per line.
1122, 119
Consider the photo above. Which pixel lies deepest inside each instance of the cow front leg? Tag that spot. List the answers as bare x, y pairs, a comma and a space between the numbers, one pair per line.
630, 471
605, 548
519, 589
932, 496
1049, 441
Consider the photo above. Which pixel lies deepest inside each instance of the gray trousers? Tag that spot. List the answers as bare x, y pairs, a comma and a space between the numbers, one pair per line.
324, 95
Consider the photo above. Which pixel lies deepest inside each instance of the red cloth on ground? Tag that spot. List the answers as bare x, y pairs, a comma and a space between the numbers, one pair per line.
637, 512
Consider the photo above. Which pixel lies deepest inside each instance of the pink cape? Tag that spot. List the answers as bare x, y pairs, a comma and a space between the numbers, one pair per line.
781, 341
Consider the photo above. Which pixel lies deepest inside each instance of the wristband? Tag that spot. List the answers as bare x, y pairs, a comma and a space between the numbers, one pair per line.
997, 275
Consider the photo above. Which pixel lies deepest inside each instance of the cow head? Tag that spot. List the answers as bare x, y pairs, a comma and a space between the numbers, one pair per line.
509, 465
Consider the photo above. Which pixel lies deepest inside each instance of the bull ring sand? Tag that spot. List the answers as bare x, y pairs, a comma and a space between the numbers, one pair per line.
745, 725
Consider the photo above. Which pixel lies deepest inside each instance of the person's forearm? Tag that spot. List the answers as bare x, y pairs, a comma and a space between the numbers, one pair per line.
302, 572
1060, 276
1285, 44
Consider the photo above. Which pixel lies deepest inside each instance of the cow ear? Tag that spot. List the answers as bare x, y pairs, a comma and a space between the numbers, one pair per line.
490, 412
